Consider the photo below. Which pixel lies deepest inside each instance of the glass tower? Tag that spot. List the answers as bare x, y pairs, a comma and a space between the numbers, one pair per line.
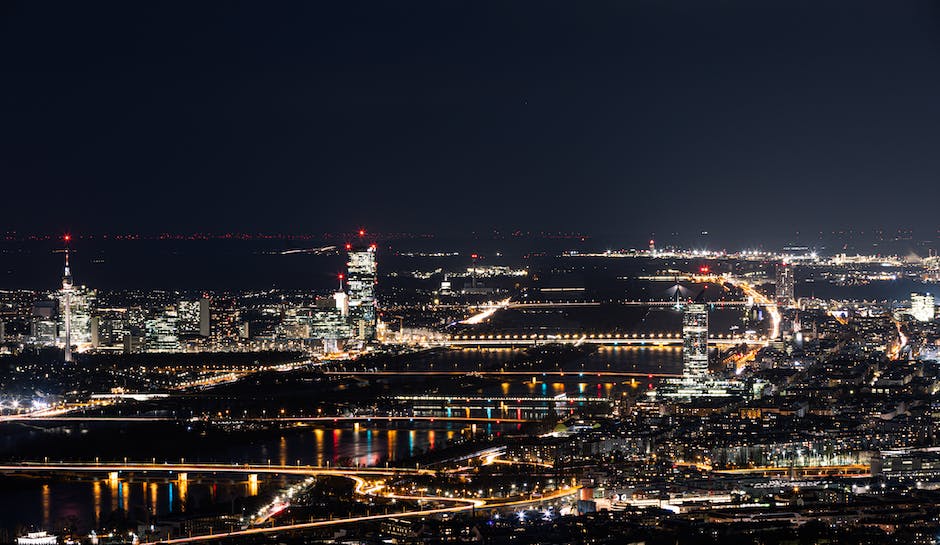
695, 341
361, 281
784, 292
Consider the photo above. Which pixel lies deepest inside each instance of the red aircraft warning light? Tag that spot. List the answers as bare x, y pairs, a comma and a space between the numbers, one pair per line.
67, 237
703, 269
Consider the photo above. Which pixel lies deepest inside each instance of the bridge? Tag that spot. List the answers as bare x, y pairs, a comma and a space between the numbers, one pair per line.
580, 373
312, 419
502, 399
495, 407
629, 303
614, 339
368, 482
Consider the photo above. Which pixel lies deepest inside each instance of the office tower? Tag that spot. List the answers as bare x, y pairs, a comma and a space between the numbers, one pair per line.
81, 305
330, 327
204, 317
923, 307
695, 341
42, 327
161, 331
225, 322
189, 318
361, 270
784, 293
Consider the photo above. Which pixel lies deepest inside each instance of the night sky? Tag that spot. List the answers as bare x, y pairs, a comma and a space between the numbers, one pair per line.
630, 117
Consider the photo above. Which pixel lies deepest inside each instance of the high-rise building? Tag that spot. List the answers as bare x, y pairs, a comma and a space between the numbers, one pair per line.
695, 341
784, 293
109, 326
43, 323
188, 311
362, 278
81, 306
225, 320
162, 331
205, 320
923, 307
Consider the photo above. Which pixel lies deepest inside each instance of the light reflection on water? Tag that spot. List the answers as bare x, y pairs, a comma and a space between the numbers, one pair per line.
89, 503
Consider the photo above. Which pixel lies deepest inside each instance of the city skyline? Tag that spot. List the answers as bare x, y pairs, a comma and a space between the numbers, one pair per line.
658, 272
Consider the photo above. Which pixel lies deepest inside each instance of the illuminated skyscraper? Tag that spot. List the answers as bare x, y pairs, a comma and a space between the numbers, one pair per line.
188, 314
695, 341
923, 307
361, 281
696, 380
162, 331
784, 293
341, 300
81, 303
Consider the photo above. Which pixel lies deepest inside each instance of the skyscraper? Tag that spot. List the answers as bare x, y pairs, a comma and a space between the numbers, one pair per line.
361, 281
341, 300
162, 331
188, 314
784, 293
923, 307
695, 341
205, 317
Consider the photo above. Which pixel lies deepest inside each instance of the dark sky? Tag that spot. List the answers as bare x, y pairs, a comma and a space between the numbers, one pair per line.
626, 117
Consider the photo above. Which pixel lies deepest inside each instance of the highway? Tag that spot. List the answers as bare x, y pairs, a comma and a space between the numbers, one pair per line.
759, 299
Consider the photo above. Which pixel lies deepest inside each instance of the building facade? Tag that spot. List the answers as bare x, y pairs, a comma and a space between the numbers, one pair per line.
362, 277
923, 307
785, 295
695, 341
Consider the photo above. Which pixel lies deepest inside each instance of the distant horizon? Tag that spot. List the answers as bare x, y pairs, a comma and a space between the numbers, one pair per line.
691, 238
